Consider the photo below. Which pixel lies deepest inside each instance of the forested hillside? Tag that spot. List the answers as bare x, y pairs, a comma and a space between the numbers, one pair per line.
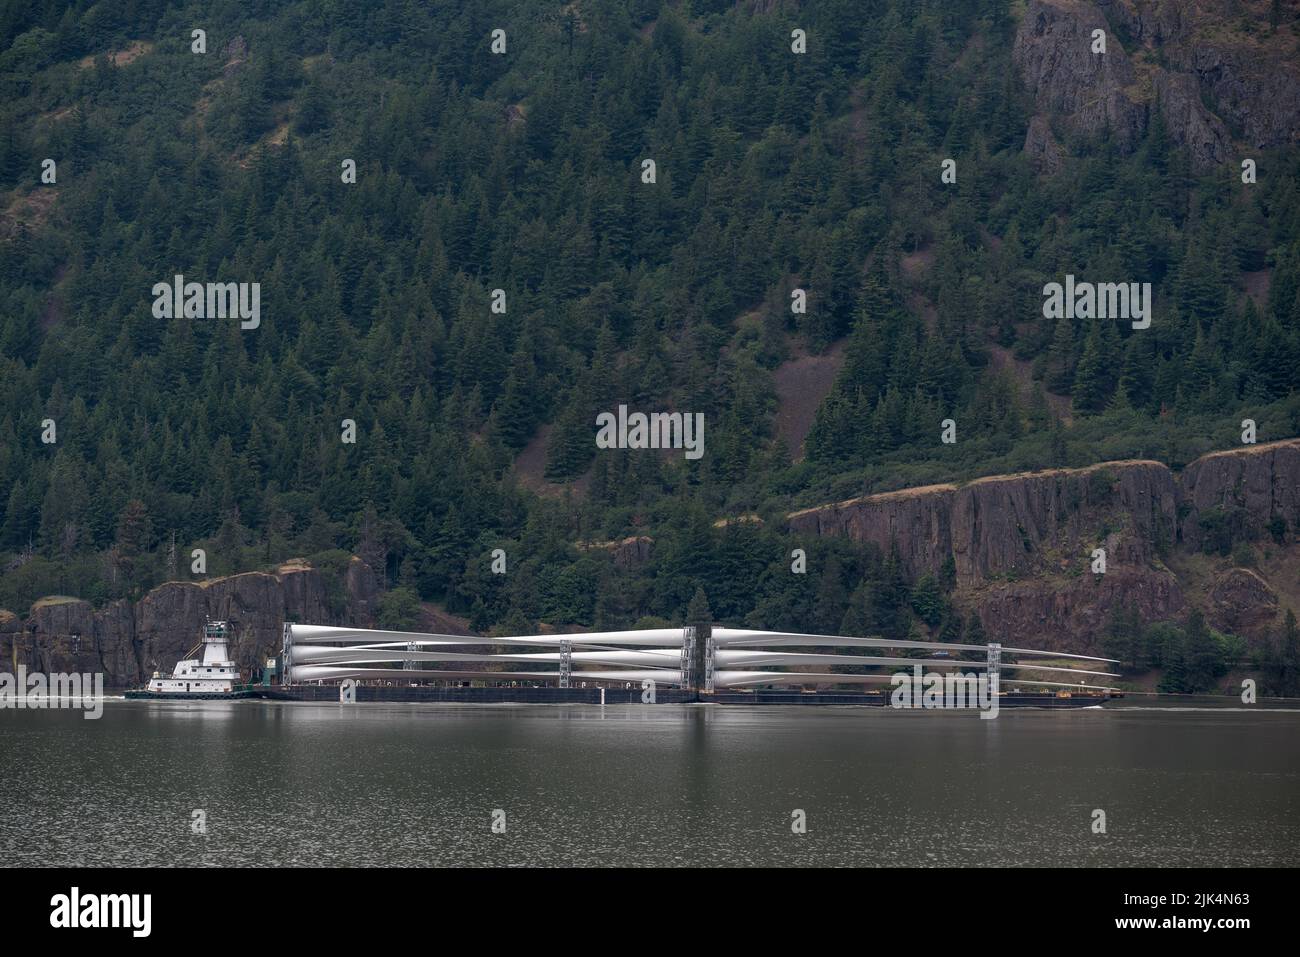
524, 171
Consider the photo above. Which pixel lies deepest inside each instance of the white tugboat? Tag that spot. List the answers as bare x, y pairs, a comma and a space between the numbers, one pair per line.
212, 676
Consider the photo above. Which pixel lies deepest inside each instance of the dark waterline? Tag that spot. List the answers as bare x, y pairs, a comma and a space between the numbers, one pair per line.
300, 784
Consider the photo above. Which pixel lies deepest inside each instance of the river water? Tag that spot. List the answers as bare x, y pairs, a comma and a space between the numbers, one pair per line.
381, 784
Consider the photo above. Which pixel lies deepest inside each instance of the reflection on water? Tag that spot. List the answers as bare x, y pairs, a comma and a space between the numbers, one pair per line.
376, 784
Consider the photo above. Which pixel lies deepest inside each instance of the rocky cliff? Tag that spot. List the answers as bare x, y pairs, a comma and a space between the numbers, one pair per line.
1022, 545
1215, 71
917, 522
127, 641
1249, 488
1009, 526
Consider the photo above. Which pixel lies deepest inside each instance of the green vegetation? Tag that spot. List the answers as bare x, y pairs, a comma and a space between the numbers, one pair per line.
523, 172
1280, 661
1191, 655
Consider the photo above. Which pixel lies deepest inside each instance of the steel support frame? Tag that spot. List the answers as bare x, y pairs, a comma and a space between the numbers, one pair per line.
566, 662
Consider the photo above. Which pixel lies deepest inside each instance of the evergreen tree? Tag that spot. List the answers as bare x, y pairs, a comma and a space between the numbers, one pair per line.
1089, 392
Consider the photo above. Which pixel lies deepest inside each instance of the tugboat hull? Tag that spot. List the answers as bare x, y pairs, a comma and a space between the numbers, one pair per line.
141, 694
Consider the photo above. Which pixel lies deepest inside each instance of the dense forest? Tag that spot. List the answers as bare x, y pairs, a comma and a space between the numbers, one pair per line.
524, 171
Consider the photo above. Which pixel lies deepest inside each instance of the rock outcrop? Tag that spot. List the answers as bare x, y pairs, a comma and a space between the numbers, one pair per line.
1247, 488
129, 641
1021, 546
1051, 521
1012, 525
67, 626
627, 552
1041, 146
1241, 601
916, 522
1210, 69
1089, 92
1247, 70
1072, 614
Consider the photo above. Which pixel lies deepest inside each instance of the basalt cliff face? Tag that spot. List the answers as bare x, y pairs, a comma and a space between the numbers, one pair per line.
1249, 488
1010, 526
1021, 546
1217, 72
127, 640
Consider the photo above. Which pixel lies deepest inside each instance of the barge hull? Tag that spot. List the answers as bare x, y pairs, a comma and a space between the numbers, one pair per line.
552, 695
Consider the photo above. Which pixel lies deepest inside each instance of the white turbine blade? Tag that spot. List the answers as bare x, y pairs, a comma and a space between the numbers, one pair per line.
740, 678
731, 637
655, 637
308, 654
738, 658
649, 656
338, 672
